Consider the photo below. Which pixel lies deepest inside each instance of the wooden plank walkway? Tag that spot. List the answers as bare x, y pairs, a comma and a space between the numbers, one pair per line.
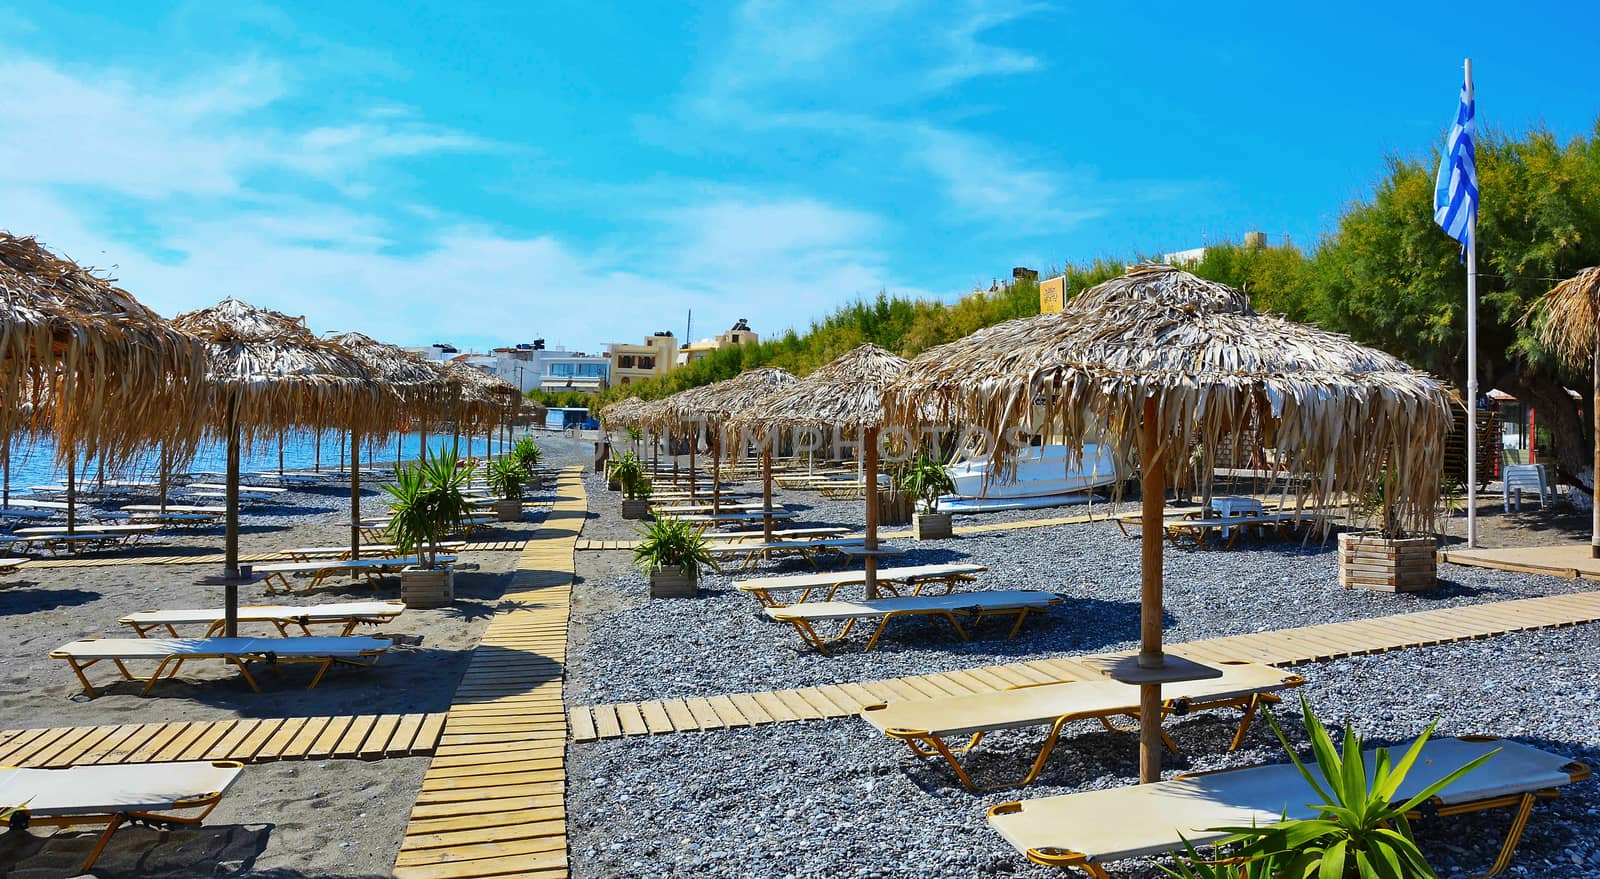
216, 558
1281, 647
250, 740
1571, 561
493, 799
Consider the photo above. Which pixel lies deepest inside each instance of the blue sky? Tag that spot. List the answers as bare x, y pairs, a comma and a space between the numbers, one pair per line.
588, 172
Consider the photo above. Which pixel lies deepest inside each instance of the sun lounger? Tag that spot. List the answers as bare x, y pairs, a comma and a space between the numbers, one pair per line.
251, 489
34, 503
811, 532
975, 606
380, 550
158, 794
681, 509
1086, 830
744, 519
173, 508
780, 591
55, 540
1202, 531
810, 550
278, 573
12, 564
171, 653
176, 519
347, 614
23, 513
925, 725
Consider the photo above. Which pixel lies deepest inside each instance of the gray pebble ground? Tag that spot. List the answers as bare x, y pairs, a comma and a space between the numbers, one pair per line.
834, 798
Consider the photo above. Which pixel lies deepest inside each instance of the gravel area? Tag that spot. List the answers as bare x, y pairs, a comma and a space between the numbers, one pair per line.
834, 798
627, 647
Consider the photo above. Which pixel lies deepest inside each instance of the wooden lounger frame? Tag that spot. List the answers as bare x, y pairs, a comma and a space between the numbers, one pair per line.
22, 820
170, 665
926, 744
1522, 802
976, 615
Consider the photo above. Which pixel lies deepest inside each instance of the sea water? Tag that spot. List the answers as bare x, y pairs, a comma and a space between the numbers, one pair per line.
34, 463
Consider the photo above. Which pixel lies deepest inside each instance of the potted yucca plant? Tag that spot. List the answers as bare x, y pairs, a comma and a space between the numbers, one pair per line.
527, 454
1385, 557
429, 503
672, 553
505, 478
630, 476
927, 480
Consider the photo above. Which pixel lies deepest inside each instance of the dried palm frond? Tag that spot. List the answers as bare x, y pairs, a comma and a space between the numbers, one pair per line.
1569, 317
846, 392
715, 403
280, 377
1336, 412
82, 358
422, 389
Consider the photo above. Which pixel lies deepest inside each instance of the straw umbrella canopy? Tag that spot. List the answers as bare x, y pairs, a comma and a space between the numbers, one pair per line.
268, 374
1570, 324
82, 359
1147, 362
713, 405
846, 393
415, 383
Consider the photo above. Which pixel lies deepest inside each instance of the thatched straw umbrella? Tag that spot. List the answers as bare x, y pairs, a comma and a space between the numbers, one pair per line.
416, 384
268, 373
81, 358
1150, 360
1570, 324
846, 394
713, 405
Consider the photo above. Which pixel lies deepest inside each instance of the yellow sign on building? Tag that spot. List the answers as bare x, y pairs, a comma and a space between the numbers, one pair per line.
1053, 295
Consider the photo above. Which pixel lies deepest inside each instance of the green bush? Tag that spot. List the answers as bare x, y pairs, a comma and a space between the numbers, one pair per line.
670, 542
429, 503
926, 479
505, 478
629, 473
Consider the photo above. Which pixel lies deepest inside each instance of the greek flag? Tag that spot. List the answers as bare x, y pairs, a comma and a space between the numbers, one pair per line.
1455, 191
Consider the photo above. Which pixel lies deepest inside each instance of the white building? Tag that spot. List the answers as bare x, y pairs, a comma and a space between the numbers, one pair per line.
531, 365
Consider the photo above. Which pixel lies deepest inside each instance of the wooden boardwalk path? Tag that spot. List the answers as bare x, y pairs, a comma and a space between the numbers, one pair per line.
1571, 561
1281, 647
215, 558
493, 799
250, 740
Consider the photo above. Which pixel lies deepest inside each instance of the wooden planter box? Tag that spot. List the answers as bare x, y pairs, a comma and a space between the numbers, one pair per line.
427, 587
635, 508
508, 510
932, 526
1367, 561
672, 582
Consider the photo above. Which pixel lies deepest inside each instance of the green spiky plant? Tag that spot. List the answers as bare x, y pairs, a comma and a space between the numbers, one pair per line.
927, 480
527, 453
629, 473
670, 542
429, 503
1361, 832
505, 478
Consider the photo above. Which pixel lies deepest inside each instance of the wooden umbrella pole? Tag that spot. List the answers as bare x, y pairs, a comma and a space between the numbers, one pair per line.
341, 451
672, 443
72, 491
317, 450
870, 453
166, 466
7, 462
280, 453
1594, 479
1153, 497
230, 542
355, 496
694, 477
716, 472
766, 491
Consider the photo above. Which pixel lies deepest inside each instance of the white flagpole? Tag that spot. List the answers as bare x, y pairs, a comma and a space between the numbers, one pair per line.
1472, 352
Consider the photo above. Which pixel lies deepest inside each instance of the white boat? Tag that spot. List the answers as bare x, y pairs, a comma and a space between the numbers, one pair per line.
1045, 476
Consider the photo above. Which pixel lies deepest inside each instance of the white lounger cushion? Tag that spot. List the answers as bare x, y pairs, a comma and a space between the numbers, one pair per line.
988, 600
268, 613
903, 574
749, 547
1031, 706
102, 790
1127, 822
162, 648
